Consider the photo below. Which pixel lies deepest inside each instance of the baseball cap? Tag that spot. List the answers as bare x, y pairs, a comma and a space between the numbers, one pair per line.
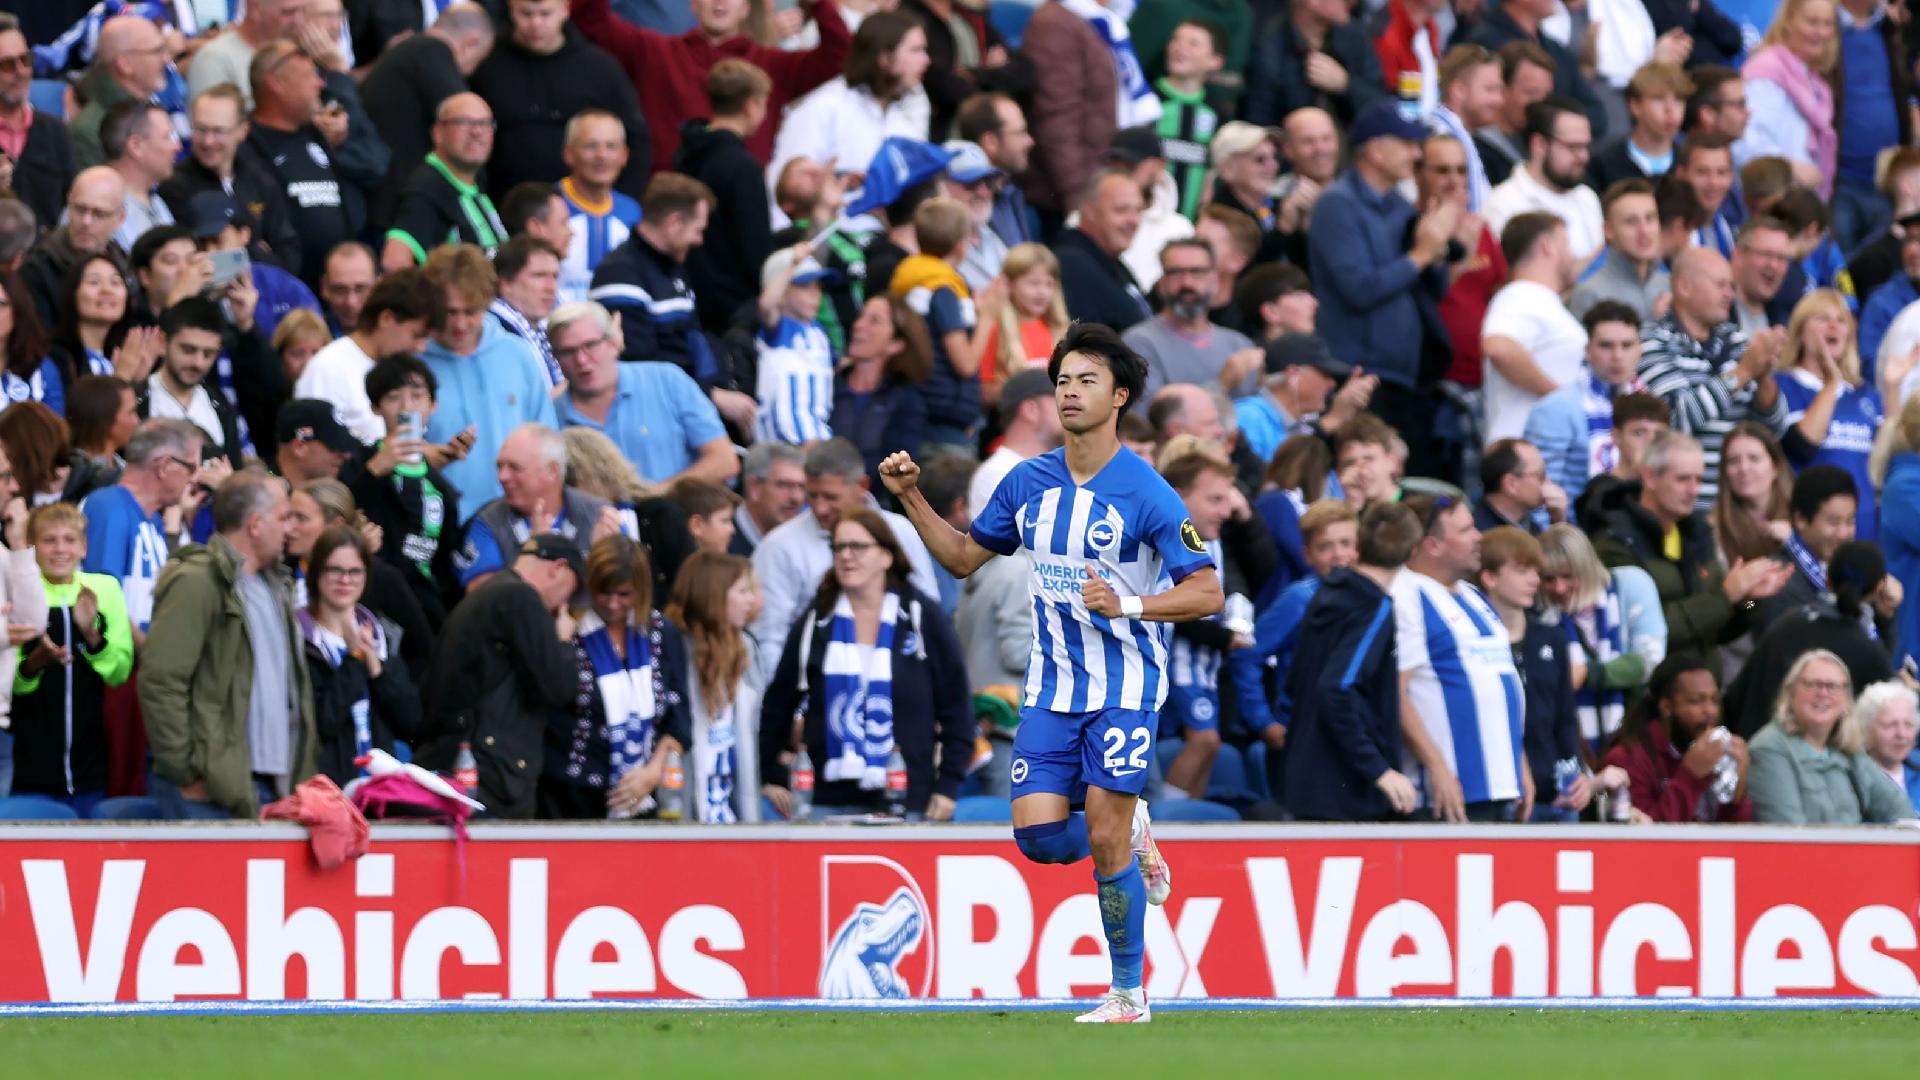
557, 547
1135, 144
313, 420
1235, 138
969, 164
1305, 350
1023, 387
1383, 117
807, 272
213, 210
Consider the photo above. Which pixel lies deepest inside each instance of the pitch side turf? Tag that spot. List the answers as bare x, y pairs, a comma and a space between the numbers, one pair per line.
1485, 1044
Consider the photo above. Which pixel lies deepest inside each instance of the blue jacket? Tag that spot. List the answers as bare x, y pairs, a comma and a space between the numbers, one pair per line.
1259, 674
1900, 539
498, 388
1878, 315
1364, 281
1346, 721
1277, 74
648, 292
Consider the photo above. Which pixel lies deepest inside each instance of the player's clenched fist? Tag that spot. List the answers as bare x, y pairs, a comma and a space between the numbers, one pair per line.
899, 472
1098, 595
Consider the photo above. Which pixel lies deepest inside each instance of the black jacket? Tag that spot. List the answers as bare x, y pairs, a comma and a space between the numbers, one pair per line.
1496, 28
60, 741
1716, 38
1612, 163
404, 90
1345, 688
648, 292
534, 96
259, 382
45, 267
257, 190
576, 774
498, 670
889, 419
230, 447
927, 665
46, 169
393, 706
1277, 73
1819, 625
1099, 288
725, 269
1552, 722
403, 509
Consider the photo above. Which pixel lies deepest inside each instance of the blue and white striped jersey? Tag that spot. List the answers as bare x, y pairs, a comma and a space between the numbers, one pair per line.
1464, 684
1129, 522
794, 383
595, 231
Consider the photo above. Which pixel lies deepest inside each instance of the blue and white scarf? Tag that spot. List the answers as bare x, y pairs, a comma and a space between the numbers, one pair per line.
98, 364
715, 762
1600, 632
1602, 452
1135, 102
335, 651
626, 688
535, 335
1808, 565
858, 683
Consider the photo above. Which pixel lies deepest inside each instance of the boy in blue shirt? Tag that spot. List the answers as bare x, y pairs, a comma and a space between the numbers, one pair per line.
795, 380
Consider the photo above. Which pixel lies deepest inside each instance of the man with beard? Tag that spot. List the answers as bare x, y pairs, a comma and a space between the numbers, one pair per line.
443, 202
1181, 344
1559, 145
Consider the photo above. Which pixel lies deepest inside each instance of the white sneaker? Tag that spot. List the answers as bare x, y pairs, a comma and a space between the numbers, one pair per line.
1154, 870
1119, 1007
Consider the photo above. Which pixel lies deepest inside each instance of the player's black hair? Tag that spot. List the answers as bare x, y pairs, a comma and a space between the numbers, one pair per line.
1812, 489
1128, 367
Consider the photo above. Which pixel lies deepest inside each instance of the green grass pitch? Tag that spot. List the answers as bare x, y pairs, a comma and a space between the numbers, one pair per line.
1485, 1044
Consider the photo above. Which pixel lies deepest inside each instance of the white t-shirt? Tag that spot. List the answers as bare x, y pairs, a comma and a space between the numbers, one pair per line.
1533, 315
1579, 208
988, 476
162, 405
337, 374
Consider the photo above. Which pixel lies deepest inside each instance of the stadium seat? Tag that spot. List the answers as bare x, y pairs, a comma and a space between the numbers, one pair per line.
49, 96
983, 808
1193, 810
129, 808
1166, 750
1256, 759
30, 808
1229, 777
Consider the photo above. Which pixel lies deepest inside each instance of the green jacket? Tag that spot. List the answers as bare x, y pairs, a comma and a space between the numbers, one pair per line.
196, 676
1699, 616
1791, 783
102, 94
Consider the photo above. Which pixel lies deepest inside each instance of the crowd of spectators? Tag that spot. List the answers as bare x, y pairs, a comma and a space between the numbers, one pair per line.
503, 386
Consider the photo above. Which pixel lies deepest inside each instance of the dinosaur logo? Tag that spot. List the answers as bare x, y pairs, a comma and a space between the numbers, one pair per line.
864, 959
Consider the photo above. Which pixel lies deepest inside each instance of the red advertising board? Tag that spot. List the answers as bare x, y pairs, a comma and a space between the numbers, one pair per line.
117, 913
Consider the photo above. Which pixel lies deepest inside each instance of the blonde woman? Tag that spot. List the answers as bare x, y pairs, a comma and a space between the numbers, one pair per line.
715, 599
301, 333
1031, 322
596, 466
1615, 618
1810, 765
1832, 414
1789, 83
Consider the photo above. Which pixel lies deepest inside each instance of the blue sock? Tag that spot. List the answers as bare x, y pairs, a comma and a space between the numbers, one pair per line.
1063, 841
1123, 910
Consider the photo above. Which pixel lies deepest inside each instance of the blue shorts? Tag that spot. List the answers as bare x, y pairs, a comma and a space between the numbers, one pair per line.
1065, 753
1190, 709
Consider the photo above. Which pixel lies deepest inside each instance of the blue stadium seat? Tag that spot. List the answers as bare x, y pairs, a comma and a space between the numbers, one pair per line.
1193, 810
129, 808
1256, 758
1168, 749
49, 96
1229, 777
29, 808
984, 808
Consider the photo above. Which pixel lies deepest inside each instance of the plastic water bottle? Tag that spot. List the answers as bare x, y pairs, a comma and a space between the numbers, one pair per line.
673, 789
897, 784
466, 771
1237, 615
1726, 771
800, 779
1620, 808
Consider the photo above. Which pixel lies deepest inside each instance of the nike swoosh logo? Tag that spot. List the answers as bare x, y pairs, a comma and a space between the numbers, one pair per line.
1128, 772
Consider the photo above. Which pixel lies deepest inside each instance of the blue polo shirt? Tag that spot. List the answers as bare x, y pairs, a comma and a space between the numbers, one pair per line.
659, 419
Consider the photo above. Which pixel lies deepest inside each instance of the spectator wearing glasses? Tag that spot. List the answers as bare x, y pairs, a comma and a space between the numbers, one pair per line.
442, 202
129, 64
218, 158
96, 205
773, 486
36, 141
126, 535
1559, 144
1448, 639
652, 409
1810, 765
1858, 595
363, 696
1516, 488
1182, 344
1669, 751
409, 83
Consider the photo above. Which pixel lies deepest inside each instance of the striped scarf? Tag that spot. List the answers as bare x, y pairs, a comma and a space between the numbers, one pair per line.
628, 690
335, 650
1134, 103
1602, 453
1808, 565
535, 335
859, 688
1600, 633
715, 763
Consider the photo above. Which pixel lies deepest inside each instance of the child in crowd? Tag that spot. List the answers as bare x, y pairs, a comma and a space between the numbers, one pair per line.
930, 283
795, 382
59, 692
1818, 262
709, 510
398, 490
1032, 320
1196, 51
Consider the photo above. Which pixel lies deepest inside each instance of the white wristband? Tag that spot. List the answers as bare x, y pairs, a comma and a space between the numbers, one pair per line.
1130, 607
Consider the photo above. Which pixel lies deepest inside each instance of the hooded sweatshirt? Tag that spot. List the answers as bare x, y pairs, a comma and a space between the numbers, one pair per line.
60, 738
1345, 685
724, 269
496, 388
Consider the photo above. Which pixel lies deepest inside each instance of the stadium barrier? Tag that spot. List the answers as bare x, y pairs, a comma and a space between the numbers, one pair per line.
94, 913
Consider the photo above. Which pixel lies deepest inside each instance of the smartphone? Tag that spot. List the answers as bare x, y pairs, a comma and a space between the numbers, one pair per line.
228, 265
414, 424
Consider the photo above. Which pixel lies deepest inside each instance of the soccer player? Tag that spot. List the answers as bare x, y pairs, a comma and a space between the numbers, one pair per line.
1102, 532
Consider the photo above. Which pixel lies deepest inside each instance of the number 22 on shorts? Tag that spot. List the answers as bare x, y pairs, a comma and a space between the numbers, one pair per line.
1116, 740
